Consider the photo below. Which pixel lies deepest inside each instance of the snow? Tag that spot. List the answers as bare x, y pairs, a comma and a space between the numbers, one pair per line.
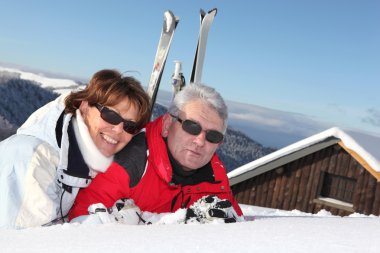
271, 231
364, 145
57, 84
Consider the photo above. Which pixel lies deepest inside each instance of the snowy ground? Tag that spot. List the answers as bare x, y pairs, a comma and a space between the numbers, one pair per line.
271, 231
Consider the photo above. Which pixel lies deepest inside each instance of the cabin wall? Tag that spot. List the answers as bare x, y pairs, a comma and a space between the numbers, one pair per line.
329, 179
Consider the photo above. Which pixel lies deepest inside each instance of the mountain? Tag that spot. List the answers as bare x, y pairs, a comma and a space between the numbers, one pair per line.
21, 93
19, 98
238, 149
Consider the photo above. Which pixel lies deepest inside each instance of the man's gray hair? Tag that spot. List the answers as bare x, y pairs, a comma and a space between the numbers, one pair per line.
207, 95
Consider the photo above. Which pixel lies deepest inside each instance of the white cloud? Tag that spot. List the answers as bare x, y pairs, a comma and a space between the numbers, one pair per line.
373, 118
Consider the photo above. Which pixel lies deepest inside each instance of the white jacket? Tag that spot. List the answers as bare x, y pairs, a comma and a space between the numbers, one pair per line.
33, 171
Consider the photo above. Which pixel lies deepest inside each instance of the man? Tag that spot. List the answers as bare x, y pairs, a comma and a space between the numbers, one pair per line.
172, 164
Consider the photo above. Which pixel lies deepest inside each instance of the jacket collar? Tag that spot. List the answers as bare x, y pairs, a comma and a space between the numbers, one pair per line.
158, 156
95, 160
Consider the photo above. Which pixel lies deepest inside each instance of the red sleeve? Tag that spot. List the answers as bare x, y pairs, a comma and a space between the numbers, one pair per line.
235, 205
106, 188
221, 174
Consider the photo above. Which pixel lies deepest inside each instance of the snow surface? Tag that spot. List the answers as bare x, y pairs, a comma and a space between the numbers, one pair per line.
271, 231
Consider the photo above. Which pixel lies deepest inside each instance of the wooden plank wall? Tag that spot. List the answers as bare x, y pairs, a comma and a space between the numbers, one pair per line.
297, 184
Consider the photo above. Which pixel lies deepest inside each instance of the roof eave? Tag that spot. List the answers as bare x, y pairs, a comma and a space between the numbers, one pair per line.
262, 168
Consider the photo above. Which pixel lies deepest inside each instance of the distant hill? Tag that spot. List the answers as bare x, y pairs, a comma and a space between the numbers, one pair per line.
20, 97
238, 149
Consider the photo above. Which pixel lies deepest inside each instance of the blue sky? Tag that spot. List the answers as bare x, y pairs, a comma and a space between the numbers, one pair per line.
318, 58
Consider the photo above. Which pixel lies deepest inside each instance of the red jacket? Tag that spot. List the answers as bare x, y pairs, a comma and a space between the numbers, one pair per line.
154, 192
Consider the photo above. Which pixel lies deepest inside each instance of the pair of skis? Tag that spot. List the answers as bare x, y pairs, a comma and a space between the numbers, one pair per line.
167, 33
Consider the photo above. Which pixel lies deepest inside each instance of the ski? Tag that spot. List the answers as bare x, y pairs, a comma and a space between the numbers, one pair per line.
206, 20
169, 26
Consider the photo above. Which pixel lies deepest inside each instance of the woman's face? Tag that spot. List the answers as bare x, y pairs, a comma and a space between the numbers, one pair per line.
108, 138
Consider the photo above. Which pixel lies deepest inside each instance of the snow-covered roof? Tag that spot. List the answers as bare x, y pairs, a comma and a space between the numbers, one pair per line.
365, 148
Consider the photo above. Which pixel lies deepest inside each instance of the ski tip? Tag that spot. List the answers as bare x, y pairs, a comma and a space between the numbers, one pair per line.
213, 10
176, 21
169, 12
169, 20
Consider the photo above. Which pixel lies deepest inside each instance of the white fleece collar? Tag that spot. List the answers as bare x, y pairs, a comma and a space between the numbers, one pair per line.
95, 160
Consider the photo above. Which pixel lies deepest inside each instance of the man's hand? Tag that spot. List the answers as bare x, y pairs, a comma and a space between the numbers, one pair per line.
211, 209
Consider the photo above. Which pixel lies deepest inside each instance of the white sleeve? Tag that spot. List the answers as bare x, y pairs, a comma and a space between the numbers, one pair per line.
28, 192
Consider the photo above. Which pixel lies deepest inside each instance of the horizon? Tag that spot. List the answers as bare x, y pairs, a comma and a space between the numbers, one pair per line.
315, 59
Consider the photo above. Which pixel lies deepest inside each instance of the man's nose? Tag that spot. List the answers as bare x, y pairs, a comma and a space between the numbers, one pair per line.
200, 138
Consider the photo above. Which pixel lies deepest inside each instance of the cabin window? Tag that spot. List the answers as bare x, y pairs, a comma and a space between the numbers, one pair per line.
338, 187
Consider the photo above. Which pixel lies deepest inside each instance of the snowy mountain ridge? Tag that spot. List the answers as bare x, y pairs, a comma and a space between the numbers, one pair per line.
58, 85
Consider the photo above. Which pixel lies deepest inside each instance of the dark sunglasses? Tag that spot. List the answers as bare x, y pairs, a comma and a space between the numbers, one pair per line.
114, 118
194, 128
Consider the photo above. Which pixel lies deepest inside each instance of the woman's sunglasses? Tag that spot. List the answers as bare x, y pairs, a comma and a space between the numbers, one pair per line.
114, 118
194, 128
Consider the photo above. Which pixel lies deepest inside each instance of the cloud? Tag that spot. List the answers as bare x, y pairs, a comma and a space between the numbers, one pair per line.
258, 119
336, 108
272, 127
373, 118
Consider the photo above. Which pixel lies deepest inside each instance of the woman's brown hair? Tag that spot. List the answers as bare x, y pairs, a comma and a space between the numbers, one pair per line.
108, 87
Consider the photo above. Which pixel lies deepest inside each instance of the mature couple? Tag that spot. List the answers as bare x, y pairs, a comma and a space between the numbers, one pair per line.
72, 155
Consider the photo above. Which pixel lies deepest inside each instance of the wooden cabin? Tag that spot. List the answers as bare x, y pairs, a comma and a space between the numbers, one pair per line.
335, 170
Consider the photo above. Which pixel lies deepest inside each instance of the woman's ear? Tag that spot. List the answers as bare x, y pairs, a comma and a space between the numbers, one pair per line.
83, 108
166, 123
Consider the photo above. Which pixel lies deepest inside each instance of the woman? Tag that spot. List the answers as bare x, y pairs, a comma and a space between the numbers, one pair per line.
64, 144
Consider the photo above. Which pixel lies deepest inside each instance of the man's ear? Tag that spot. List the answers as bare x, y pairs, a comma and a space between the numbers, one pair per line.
166, 123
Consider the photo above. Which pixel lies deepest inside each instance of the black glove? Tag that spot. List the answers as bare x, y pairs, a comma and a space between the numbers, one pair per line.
210, 209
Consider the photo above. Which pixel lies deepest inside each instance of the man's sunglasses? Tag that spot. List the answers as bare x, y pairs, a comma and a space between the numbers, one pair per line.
194, 128
114, 118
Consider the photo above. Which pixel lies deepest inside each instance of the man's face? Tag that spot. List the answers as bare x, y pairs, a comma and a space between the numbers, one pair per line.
192, 151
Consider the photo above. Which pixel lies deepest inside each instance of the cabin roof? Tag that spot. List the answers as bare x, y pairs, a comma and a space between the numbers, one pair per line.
363, 147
